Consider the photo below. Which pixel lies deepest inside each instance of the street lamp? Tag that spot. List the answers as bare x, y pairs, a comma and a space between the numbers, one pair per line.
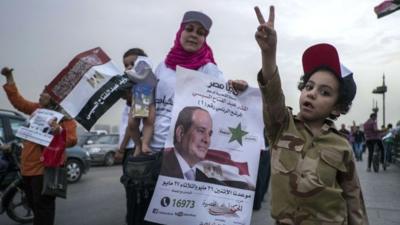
382, 90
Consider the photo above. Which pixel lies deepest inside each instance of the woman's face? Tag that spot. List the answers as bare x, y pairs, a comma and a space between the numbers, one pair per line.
193, 36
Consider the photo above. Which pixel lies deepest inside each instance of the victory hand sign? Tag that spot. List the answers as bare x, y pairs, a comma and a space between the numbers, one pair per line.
266, 38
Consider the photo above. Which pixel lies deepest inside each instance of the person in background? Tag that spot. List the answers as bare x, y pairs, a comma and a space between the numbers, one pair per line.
344, 131
372, 138
313, 174
388, 141
264, 174
358, 143
4, 162
32, 168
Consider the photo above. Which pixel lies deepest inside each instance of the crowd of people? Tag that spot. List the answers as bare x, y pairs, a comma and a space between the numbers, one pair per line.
310, 162
365, 136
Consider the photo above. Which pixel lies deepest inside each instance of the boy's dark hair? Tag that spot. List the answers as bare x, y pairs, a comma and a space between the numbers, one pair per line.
373, 115
134, 51
344, 100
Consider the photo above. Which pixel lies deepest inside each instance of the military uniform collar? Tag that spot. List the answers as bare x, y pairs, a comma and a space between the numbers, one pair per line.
328, 125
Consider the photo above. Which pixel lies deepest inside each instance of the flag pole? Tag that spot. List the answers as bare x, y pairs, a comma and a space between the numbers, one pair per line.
383, 96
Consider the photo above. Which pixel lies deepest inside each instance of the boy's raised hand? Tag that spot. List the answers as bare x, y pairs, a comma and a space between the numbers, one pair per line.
266, 34
6, 71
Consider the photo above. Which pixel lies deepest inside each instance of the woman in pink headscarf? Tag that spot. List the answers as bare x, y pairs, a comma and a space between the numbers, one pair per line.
191, 51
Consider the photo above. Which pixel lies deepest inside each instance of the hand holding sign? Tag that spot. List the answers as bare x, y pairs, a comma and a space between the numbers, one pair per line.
54, 126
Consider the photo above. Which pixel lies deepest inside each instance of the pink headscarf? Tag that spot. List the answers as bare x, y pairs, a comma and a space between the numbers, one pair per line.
193, 60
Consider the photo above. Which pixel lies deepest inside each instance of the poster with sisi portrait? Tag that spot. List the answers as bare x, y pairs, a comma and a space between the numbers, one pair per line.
211, 156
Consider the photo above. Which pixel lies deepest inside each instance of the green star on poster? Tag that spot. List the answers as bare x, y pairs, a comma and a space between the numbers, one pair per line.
237, 133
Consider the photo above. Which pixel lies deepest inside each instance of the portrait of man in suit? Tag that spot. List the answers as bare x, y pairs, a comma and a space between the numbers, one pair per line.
192, 138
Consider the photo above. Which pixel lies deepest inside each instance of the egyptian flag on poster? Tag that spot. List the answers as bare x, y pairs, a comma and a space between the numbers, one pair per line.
220, 165
88, 86
387, 7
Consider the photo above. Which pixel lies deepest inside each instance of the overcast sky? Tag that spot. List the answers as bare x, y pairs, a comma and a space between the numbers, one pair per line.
39, 38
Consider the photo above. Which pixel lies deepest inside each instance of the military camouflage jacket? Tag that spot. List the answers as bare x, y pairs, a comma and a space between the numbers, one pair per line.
313, 178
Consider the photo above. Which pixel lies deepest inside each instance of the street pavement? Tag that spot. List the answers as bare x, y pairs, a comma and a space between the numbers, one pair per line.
381, 194
99, 199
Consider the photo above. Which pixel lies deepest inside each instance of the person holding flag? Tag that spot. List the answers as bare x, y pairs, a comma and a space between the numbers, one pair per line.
32, 167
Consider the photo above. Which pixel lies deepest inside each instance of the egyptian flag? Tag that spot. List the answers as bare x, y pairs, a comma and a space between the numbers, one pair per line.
220, 165
387, 7
88, 86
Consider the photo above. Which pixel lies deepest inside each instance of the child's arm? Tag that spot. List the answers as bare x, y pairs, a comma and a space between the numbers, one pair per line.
350, 184
274, 110
267, 39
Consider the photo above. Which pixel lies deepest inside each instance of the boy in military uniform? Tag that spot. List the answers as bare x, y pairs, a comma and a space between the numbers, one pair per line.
313, 175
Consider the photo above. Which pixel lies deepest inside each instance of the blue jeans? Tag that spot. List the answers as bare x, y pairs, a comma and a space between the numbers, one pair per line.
388, 151
357, 146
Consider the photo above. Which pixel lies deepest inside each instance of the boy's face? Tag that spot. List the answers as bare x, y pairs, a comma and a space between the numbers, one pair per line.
319, 96
129, 61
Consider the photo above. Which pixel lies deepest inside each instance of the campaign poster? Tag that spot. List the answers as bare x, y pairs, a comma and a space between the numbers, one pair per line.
210, 161
37, 129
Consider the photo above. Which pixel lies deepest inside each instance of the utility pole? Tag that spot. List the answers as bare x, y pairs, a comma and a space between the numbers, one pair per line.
375, 107
382, 90
383, 99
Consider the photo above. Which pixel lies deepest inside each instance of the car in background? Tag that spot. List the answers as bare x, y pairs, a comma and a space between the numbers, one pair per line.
102, 149
78, 163
78, 160
86, 138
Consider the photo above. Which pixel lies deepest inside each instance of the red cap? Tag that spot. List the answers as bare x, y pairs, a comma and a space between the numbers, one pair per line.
321, 55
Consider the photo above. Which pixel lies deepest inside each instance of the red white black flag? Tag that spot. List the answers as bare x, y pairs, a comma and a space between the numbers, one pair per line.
387, 7
88, 86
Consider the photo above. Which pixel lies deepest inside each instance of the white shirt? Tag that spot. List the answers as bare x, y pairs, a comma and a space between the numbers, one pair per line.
122, 127
185, 168
164, 100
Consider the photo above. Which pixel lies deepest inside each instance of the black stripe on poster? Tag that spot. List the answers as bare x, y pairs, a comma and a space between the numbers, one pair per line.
102, 100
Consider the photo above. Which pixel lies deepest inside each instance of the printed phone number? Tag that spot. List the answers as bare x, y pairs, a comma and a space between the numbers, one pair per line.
183, 203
